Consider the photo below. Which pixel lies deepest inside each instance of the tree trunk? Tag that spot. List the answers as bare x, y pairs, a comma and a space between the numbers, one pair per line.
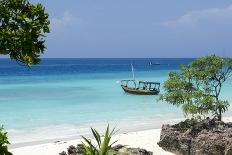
220, 114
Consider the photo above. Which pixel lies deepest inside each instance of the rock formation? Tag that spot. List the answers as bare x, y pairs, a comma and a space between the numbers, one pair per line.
208, 137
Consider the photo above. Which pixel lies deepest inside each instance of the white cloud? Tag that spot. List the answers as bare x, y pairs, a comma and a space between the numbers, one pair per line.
60, 24
201, 31
196, 18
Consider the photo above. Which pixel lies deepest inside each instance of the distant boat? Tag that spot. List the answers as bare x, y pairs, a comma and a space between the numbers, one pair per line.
151, 63
157, 63
140, 87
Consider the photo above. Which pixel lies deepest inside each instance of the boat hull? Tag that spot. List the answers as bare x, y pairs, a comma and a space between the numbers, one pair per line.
139, 91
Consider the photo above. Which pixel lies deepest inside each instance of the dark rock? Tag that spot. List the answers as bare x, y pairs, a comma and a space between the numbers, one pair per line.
63, 153
208, 137
133, 151
79, 150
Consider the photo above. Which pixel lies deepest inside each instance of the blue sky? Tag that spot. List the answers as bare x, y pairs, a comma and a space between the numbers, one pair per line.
138, 28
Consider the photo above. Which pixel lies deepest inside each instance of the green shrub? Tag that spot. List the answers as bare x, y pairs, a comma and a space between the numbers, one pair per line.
4, 142
103, 147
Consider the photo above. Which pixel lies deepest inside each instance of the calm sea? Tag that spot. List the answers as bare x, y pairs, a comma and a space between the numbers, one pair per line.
64, 97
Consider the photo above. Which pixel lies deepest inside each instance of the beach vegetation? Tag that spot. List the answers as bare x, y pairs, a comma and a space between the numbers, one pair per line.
103, 146
23, 26
197, 87
4, 142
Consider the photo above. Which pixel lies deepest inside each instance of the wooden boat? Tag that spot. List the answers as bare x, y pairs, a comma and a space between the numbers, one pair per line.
140, 87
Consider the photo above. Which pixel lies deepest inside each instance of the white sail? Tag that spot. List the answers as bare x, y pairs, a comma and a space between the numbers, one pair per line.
132, 69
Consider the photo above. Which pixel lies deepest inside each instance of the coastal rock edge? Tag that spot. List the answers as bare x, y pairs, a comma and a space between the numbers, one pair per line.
208, 137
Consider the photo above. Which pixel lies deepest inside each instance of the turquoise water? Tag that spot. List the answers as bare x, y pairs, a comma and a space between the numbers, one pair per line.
63, 97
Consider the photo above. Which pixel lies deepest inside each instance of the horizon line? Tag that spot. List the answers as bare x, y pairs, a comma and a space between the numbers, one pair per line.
116, 58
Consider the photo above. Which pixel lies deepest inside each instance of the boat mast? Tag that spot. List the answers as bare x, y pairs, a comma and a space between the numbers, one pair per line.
132, 69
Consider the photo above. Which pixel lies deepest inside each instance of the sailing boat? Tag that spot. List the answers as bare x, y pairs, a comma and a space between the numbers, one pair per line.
151, 63
140, 87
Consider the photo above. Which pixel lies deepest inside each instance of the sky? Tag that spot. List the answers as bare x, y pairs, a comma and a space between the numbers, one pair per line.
138, 28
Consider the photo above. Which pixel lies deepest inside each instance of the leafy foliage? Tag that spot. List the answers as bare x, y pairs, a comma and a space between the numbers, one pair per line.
22, 30
103, 147
197, 86
3, 143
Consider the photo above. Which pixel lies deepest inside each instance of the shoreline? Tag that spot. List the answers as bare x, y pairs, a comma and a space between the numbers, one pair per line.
73, 138
146, 139
130, 126
62, 134
143, 138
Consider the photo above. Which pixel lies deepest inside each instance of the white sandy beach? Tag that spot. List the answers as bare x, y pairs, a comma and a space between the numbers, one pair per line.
146, 139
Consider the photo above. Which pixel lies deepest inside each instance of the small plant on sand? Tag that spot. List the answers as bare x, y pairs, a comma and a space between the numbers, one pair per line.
3, 143
197, 87
103, 146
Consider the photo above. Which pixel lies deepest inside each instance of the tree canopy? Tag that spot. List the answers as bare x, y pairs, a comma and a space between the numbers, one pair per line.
197, 87
23, 26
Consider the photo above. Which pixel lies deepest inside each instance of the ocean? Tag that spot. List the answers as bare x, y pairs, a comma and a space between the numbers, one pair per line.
64, 97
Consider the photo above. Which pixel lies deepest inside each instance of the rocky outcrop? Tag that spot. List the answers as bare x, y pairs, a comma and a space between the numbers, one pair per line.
208, 137
79, 150
72, 150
